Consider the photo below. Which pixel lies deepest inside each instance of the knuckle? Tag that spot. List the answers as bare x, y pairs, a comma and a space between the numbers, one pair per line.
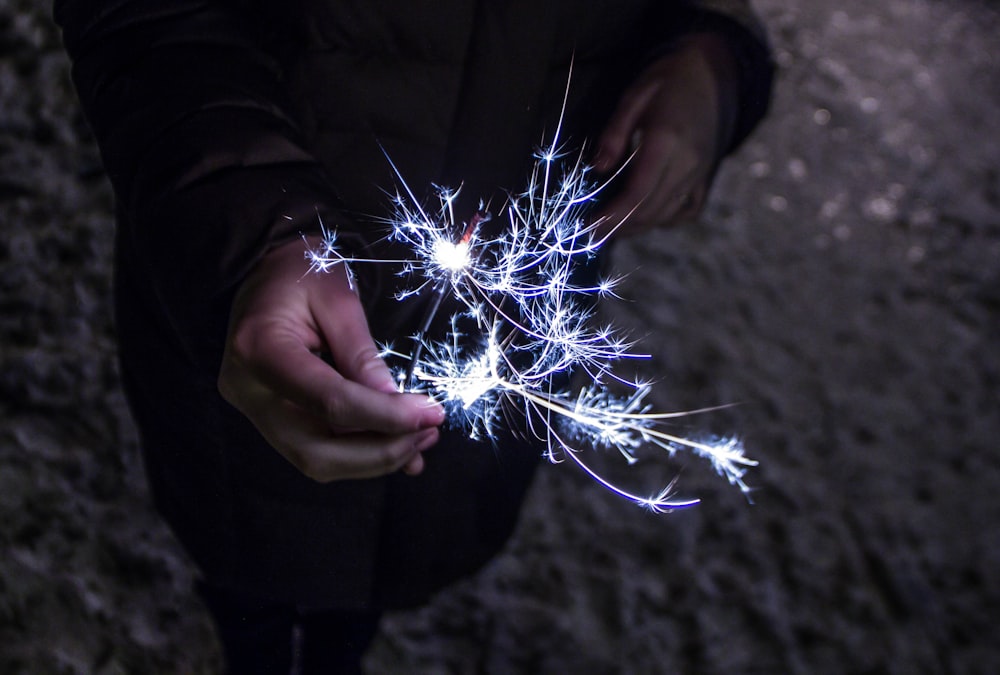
225, 388
243, 341
318, 474
394, 456
334, 407
690, 156
366, 360
233, 387
312, 467
665, 136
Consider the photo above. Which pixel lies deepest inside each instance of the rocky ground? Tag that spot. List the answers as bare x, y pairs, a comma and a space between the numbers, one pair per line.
843, 287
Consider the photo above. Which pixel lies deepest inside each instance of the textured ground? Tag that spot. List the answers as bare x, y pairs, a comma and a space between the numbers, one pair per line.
844, 286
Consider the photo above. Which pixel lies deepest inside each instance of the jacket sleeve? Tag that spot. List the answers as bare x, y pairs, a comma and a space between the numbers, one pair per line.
207, 168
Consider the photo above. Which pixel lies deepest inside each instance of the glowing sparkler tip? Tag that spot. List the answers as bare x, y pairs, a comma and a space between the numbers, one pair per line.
451, 256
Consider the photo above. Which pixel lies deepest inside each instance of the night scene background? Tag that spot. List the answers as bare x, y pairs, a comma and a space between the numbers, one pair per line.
843, 287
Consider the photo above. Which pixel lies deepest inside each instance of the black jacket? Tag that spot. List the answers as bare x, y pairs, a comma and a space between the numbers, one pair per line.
229, 126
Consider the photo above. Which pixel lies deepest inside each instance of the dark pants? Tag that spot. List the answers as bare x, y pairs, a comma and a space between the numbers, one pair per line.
263, 638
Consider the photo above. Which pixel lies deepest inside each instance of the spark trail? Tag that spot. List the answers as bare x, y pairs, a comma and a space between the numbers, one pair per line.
524, 323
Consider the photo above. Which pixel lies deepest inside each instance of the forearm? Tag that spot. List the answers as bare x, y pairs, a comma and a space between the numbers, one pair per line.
187, 109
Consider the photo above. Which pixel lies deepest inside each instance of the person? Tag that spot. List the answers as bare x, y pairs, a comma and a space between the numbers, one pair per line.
311, 493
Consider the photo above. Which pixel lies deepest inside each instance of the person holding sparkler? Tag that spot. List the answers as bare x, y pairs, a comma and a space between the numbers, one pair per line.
309, 490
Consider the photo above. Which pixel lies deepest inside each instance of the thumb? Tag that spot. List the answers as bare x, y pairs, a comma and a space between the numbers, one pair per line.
616, 139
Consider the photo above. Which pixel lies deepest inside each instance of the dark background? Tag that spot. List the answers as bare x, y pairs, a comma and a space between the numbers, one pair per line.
843, 287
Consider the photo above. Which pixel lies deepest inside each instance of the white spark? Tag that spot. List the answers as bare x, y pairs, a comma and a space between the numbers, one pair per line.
533, 325
451, 257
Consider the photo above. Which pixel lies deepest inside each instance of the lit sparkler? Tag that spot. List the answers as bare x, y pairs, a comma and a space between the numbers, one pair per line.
531, 324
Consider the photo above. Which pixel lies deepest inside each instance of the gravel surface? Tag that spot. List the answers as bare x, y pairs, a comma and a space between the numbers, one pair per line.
843, 288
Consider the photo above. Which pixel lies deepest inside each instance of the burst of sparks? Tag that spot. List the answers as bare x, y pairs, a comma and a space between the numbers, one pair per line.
531, 323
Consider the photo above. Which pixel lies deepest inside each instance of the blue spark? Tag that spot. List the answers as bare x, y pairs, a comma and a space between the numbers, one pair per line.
534, 324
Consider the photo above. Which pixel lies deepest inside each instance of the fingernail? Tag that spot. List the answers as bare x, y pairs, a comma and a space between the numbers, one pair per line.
389, 385
426, 439
386, 381
415, 466
434, 415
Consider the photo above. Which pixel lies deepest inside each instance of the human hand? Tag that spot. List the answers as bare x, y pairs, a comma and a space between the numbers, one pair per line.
332, 422
669, 130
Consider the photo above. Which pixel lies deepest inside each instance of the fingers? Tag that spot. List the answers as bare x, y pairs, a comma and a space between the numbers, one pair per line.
676, 111
306, 442
354, 456
618, 134
332, 422
617, 137
415, 466
693, 203
663, 184
278, 359
282, 319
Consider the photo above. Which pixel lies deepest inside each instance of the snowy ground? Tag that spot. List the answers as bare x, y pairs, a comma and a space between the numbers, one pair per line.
844, 287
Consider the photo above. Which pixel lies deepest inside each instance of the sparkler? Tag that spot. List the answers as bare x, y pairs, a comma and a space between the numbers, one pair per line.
524, 323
